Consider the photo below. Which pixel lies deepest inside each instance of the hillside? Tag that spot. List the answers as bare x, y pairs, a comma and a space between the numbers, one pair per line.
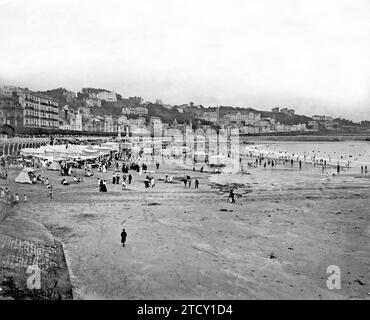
285, 118
158, 110
57, 94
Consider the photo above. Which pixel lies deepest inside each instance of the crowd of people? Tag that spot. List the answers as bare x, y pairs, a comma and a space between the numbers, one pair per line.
13, 198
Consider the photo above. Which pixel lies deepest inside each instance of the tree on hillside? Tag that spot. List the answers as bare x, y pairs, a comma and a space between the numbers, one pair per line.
57, 94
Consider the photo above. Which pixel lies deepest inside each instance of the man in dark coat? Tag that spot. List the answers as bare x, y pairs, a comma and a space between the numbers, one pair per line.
231, 196
123, 237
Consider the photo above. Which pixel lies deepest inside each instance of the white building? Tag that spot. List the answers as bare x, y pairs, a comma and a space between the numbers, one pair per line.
155, 120
141, 110
91, 102
76, 122
107, 96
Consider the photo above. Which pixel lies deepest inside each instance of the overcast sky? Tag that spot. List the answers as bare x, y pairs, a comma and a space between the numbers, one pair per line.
312, 55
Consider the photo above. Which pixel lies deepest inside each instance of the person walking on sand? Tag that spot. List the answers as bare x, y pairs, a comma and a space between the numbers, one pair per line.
123, 184
188, 180
129, 178
365, 169
25, 198
362, 169
114, 178
196, 184
117, 179
104, 186
146, 182
123, 237
51, 192
231, 196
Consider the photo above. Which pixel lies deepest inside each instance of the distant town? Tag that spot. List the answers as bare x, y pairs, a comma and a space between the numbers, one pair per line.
101, 111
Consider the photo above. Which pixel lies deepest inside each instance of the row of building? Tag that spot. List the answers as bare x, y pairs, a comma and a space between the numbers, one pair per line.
80, 121
22, 107
25, 108
249, 122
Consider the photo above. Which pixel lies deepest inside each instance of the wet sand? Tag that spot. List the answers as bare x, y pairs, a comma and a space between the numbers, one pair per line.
275, 242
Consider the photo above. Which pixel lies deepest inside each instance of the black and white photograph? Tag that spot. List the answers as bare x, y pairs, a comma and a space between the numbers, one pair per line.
209, 150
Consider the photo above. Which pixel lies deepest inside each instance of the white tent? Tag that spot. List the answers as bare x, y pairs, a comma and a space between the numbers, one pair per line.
217, 160
176, 151
199, 155
24, 176
55, 166
148, 150
135, 149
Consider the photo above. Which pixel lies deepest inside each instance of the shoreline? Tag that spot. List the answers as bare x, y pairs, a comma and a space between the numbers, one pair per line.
308, 138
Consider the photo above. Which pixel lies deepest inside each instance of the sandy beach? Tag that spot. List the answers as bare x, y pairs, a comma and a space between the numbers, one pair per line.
276, 242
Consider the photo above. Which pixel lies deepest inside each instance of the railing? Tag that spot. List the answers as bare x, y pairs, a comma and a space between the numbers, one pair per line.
24, 140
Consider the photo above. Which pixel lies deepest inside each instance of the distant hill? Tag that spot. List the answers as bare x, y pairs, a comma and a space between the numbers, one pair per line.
285, 118
278, 116
158, 110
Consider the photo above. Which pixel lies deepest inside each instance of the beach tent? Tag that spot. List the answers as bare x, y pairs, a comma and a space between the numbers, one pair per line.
200, 155
55, 166
176, 151
148, 150
217, 160
135, 149
25, 176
